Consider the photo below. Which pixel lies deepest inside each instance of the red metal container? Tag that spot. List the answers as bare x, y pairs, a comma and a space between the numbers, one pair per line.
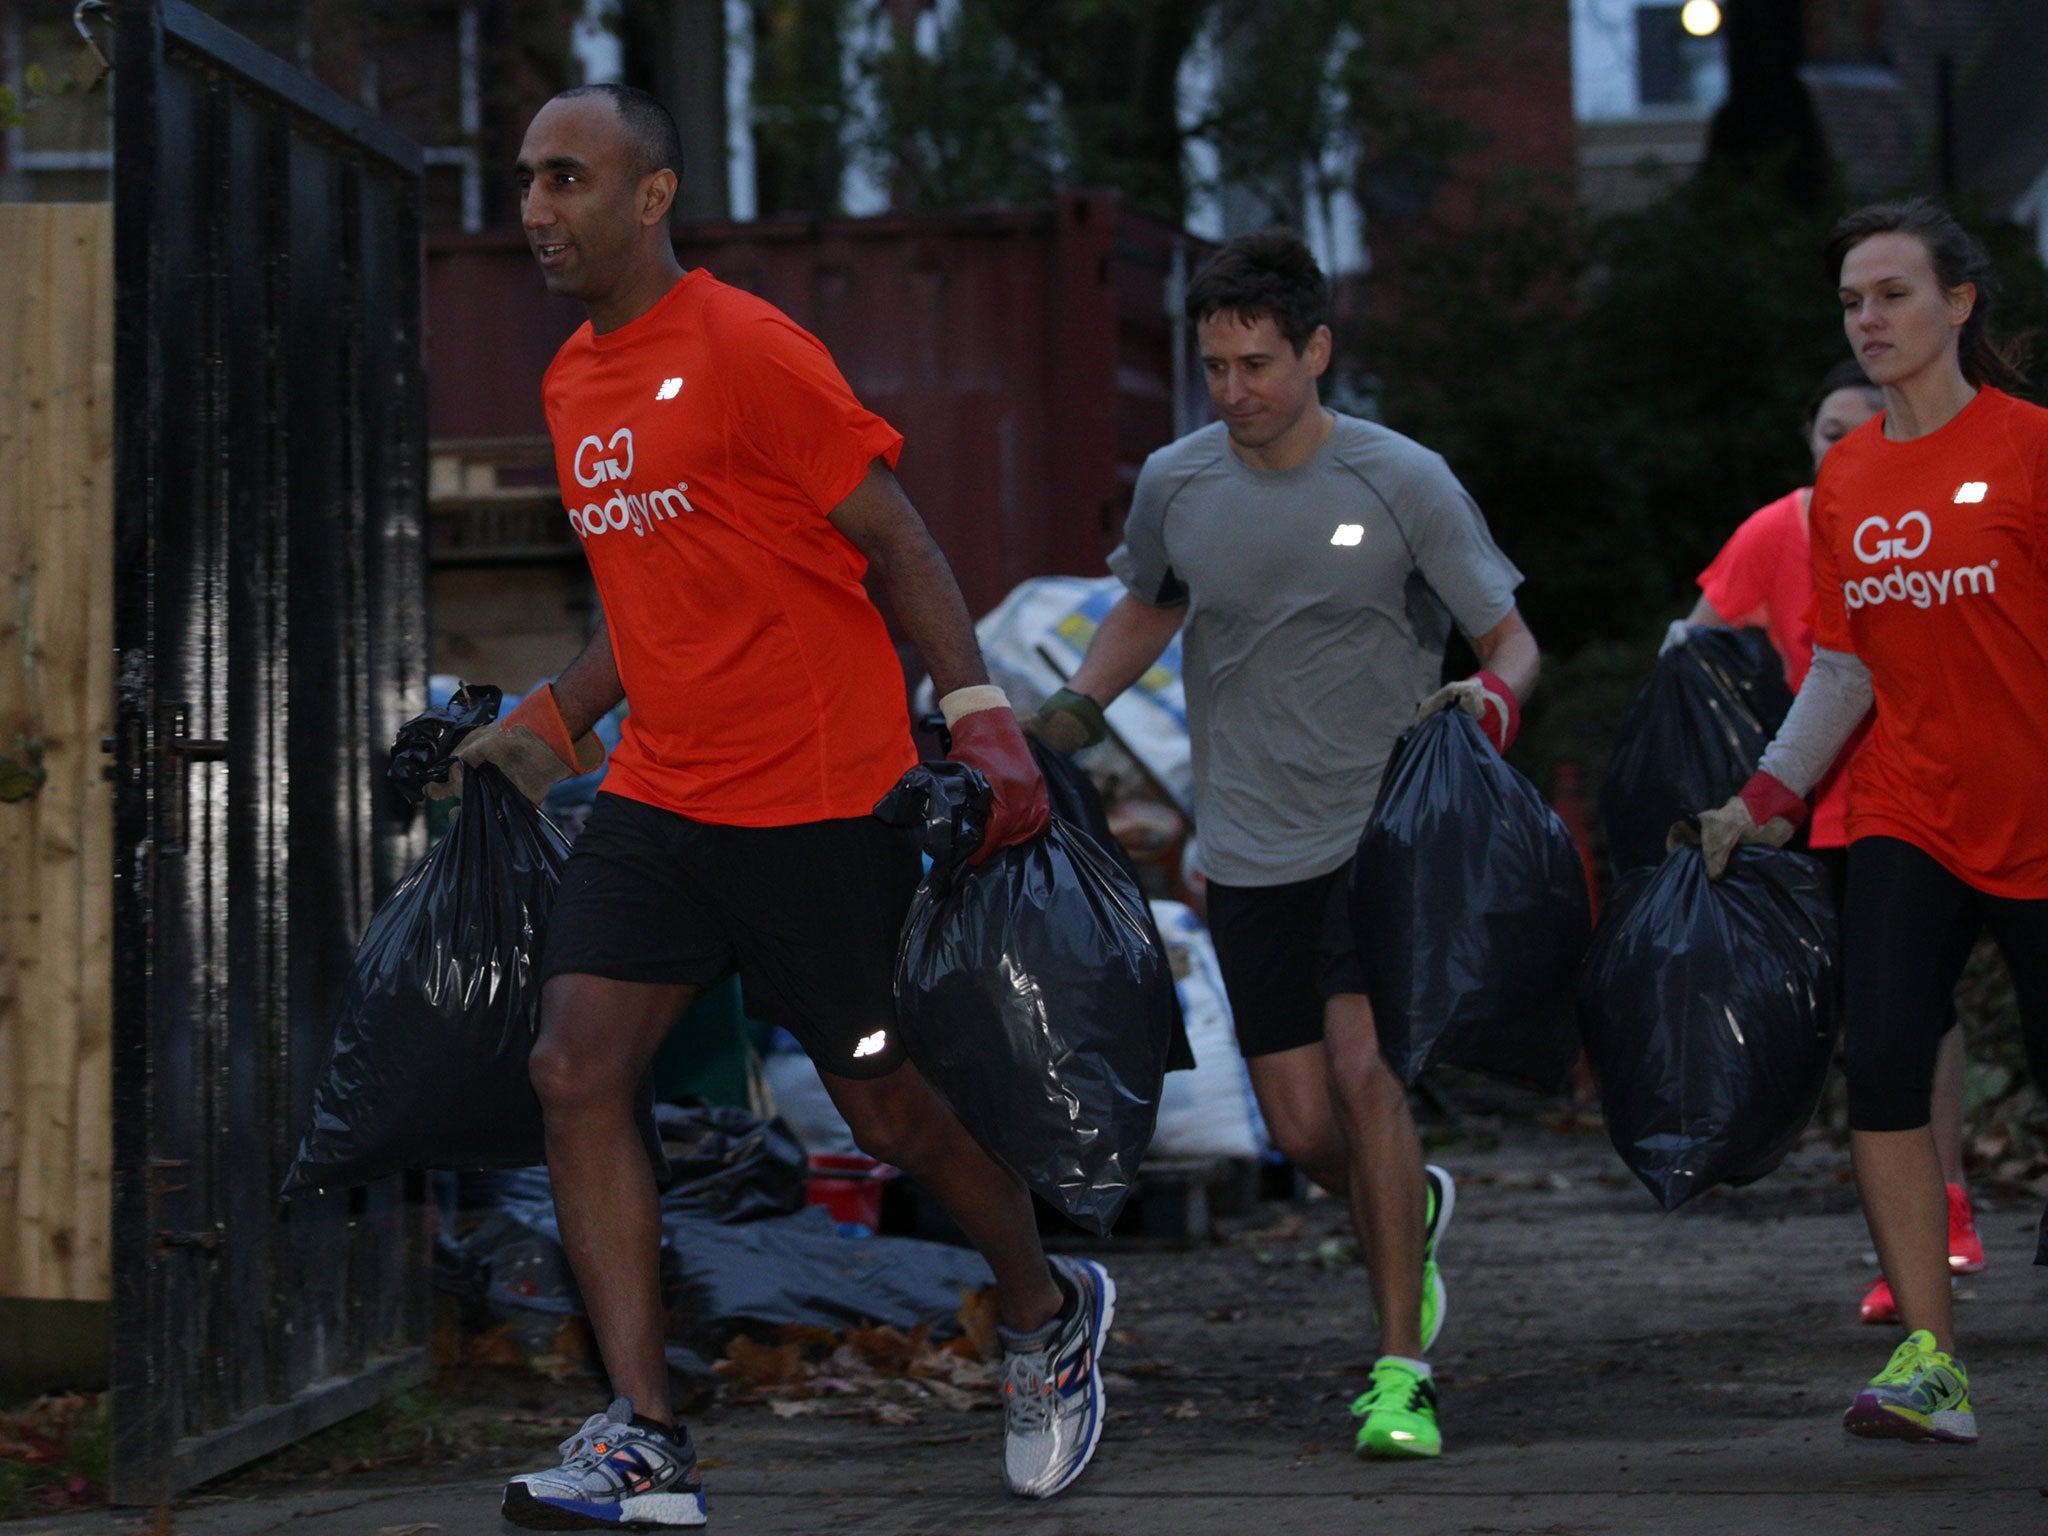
1031, 357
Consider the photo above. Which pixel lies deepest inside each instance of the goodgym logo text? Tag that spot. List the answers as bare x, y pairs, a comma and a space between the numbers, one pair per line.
1877, 540
601, 461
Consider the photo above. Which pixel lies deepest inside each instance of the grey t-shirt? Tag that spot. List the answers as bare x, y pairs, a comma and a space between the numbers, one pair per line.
1319, 600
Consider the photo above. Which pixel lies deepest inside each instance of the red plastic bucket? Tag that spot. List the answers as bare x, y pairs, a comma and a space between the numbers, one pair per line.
849, 1185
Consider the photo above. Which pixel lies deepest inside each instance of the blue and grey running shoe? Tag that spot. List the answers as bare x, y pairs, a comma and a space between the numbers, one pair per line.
613, 1474
1052, 1387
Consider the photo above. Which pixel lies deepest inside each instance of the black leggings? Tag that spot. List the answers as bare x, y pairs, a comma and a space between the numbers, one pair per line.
1907, 929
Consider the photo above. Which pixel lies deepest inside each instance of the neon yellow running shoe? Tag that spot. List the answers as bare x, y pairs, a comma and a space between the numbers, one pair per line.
1922, 1395
1398, 1412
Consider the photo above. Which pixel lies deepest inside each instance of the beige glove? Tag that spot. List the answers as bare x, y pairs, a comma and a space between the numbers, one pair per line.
530, 746
1721, 831
1486, 699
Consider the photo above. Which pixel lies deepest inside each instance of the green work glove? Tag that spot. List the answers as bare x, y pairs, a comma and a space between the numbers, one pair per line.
1067, 722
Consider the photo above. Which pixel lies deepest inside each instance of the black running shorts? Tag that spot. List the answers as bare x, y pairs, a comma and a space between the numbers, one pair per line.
1284, 950
809, 915
1908, 926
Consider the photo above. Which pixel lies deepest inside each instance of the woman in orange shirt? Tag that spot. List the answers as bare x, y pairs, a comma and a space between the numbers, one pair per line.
1763, 577
1930, 557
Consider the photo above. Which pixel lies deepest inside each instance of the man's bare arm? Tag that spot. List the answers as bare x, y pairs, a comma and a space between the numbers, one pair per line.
1508, 651
882, 524
1133, 635
589, 686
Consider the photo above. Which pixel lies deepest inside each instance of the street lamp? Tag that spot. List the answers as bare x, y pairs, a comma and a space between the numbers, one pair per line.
1702, 18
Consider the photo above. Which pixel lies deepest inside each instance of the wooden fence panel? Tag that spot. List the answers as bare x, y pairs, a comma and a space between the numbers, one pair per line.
56, 704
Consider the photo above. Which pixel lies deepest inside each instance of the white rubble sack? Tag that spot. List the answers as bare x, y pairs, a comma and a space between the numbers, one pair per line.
1209, 1112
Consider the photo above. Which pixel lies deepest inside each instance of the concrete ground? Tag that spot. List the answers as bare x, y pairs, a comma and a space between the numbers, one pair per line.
1605, 1369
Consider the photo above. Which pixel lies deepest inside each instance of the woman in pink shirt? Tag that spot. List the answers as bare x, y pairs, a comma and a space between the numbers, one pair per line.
1763, 578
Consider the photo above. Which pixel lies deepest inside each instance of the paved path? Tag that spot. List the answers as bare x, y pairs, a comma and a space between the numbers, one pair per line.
1606, 1369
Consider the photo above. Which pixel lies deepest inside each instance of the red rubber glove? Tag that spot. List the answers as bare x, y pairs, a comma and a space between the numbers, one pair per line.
1486, 699
986, 737
1768, 797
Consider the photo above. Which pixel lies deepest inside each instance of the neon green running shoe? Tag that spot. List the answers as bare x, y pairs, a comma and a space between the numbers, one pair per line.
1443, 1199
1398, 1412
1442, 1193
1923, 1395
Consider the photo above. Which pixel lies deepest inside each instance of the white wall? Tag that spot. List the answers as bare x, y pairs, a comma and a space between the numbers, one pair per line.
1604, 64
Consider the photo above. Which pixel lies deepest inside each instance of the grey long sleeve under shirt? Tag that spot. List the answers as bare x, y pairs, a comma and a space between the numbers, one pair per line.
1832, 702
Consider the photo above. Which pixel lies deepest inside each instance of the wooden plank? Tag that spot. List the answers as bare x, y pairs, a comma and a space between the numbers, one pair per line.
56, 702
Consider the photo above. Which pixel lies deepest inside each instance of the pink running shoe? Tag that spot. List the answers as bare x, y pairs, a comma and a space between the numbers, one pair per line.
1965, 1248
1878, 1306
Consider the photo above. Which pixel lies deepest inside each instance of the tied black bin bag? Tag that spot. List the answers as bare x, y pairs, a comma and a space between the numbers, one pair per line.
1034, 996
441, 1008
1469, 905
1709, 1010
1689, 739
1076, 801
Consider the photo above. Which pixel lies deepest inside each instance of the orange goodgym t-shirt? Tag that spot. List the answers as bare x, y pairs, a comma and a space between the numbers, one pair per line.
700, 449
1764, 576
1930, 562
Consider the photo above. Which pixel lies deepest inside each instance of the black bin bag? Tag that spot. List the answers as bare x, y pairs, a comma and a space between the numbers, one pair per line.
1034, 995
1469, 904
439, 1014
1076, 801
1689, 739
1709, 1009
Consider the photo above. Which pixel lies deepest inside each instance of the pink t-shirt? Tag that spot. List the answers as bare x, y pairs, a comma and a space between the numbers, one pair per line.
1763, 578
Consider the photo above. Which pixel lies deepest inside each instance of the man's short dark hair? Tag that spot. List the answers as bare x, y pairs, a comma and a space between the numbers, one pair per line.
1269, 273
648, 124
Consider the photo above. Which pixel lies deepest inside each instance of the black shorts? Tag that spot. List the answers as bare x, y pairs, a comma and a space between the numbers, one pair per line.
1907, 929
1284, 950
809, 915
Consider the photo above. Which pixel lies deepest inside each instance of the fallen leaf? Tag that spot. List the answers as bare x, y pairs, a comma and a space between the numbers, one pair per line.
978, 1318
950, 1396
748, 1364
1285, 1230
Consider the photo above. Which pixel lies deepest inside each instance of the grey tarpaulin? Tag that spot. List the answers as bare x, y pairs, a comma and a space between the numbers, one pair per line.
722, 1277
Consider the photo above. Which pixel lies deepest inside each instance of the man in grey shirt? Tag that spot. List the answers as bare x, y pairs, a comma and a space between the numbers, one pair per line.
1317, 562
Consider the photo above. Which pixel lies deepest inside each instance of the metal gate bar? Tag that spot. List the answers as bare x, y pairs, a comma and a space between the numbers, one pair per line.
270, 627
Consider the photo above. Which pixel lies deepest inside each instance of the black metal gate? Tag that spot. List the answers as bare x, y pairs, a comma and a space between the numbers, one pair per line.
270, 628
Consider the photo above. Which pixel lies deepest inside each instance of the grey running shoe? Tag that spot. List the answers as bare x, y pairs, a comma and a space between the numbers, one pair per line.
1052, 1388
1436, 1303
613, 1474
